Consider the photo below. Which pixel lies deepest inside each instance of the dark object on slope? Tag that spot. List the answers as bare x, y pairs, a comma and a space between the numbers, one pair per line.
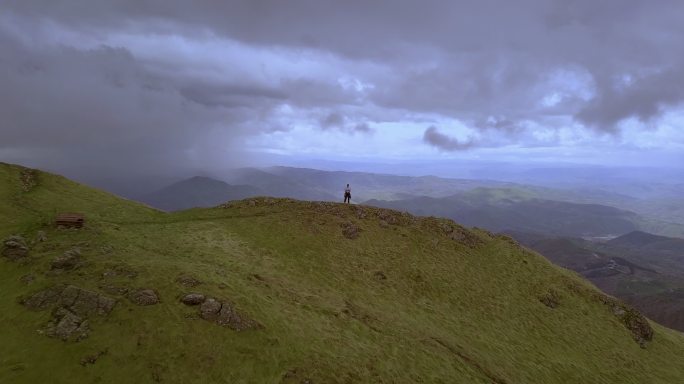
15, 248
71, 259
144, 297
70, 220
72, 306
225, 314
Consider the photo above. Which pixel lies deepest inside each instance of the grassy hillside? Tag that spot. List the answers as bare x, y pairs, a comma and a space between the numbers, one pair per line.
640, 268
310, 293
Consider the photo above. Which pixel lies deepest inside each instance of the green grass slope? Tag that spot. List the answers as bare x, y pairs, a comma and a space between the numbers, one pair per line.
341, 294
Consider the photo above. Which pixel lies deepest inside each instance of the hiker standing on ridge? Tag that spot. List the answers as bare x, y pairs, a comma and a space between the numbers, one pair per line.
347, 194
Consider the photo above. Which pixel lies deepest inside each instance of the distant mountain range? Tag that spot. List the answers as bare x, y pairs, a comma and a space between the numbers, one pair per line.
303, 184
197, 192
516, 209
493, 205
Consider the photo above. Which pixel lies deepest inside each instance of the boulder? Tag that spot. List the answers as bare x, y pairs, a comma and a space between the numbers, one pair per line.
188, 281
350, 230
71, 259
15, 248
144, 297
193, 299
210, 309
229, 317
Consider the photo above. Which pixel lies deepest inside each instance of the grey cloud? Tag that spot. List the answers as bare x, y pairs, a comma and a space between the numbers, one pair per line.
230, 95
103, 108
333, 120
340, 122
644, 99
466, 60
362, 127
443, 142
501, 124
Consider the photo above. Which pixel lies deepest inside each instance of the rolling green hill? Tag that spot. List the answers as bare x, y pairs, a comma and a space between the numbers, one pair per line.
295, 292
197, 192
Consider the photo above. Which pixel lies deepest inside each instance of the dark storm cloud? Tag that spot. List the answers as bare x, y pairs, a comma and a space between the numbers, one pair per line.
443, 142
489, 64
103, 107
642, 98
229, 96
340, 122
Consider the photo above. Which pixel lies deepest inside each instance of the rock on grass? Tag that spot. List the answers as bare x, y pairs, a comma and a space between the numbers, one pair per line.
350, 230
193, 299
225, 314
15, 248
71, 259
71, 308
144, 297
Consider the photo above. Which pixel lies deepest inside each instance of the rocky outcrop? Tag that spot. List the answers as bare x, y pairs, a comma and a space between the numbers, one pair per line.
632, 319
15, 248
71, 259
67, 326
225, 314
29, 179
71, 308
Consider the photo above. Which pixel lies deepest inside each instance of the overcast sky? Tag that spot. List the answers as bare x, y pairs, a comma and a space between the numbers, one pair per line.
148, 86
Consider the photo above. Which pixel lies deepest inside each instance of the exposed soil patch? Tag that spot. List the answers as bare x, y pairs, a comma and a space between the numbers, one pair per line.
27, 279
357, 313
71, 308
144, 297
225, 314
92, 359
120, 270
350, 230
15, 248
470, 361
115, 289
188, 281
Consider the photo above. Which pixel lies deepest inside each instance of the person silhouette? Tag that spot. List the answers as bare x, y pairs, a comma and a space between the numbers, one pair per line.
347, 194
